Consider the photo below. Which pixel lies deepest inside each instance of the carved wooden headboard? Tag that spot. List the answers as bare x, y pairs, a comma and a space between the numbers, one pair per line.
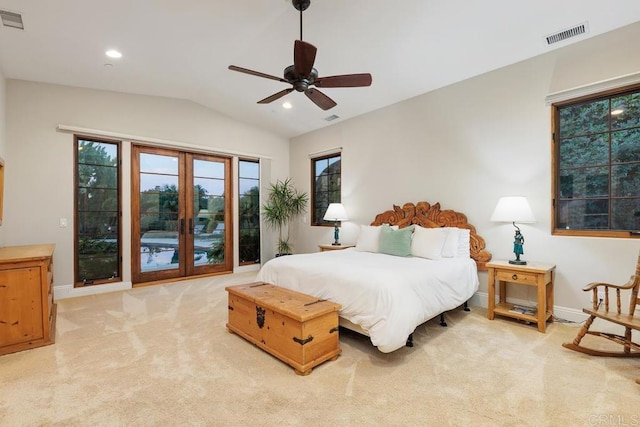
427, 215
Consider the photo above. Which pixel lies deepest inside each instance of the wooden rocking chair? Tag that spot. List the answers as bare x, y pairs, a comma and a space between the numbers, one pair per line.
626, 319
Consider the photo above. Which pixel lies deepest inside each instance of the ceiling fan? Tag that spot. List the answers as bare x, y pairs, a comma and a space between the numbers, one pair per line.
302, 76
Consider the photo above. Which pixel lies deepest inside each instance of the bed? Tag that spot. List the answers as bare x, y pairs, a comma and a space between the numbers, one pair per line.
384, 291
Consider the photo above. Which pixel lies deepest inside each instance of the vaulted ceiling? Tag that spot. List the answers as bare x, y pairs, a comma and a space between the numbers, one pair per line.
182, 49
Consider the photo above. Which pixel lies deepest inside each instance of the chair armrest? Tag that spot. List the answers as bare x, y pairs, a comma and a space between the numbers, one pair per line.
628, 285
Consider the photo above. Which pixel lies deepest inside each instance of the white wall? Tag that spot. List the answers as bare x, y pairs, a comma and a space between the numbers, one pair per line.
470, 143
39, 173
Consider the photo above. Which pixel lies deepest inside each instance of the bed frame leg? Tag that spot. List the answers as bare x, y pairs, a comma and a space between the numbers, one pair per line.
466, 306
442, 322
409, 341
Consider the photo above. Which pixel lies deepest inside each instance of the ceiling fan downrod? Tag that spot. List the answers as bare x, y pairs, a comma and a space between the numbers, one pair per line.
301, 5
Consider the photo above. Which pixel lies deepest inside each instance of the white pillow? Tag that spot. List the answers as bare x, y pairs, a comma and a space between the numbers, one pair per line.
464, 243
368, 238
450, 248
428, 242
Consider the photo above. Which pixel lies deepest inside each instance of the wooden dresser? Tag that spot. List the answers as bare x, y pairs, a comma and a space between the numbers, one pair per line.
27, 310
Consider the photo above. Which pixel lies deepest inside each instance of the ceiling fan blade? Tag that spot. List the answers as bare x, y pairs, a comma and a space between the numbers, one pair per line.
320, 99
304, 55
256, 73
275, 96
345, 80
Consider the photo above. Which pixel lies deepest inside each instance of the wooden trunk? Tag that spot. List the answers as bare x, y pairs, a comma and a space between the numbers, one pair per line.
298, 329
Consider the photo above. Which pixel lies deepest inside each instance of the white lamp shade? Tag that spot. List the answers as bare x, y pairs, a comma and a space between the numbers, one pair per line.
513, 209
335, 212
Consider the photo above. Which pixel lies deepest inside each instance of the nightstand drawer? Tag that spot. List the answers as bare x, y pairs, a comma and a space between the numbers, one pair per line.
516, 277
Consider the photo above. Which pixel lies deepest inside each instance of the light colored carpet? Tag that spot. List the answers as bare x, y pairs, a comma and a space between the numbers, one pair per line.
161, 355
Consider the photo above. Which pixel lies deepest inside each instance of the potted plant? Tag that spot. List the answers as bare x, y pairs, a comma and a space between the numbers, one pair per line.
284, 203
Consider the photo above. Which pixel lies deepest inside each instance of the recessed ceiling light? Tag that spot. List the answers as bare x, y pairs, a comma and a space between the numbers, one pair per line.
287, 105
112, 53
617, 112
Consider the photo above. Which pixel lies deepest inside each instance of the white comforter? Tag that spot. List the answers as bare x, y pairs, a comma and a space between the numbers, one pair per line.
387, 296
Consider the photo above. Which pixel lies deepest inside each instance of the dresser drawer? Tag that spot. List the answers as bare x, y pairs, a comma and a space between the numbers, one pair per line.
516, 277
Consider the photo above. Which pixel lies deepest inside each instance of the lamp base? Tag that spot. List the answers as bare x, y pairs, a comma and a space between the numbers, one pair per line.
336, 234
517, 262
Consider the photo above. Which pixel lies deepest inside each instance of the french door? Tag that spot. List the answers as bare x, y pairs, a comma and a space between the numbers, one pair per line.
181, 214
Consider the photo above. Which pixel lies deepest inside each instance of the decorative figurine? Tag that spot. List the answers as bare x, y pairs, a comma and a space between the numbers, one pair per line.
517, 248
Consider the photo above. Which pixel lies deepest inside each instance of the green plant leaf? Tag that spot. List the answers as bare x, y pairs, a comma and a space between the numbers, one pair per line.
284, 203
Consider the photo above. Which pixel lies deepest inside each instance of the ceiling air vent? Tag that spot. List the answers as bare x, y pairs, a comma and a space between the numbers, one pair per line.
568, 33
11, 19
331, 117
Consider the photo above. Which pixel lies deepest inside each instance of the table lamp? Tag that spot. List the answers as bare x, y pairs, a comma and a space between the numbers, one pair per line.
514, 209
335, 212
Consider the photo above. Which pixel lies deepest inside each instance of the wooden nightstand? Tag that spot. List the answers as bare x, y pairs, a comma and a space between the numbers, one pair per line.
532, 274
333, 247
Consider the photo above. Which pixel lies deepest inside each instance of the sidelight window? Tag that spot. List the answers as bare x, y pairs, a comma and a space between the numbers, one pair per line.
97, 212
327, 172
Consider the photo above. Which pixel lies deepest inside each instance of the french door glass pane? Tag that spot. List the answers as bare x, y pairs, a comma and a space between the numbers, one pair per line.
208, 169
209, 212
160, 164
159, 209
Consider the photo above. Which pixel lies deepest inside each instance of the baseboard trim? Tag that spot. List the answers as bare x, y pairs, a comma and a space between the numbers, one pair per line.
246, 268
69, 291
481, 299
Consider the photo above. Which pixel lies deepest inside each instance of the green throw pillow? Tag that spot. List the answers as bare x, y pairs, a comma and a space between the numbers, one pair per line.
395, 242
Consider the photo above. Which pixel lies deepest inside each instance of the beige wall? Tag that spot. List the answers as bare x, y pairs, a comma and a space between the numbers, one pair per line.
470, 143
39, 176
3, 133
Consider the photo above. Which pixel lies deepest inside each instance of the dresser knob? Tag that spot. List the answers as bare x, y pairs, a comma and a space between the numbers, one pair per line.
514, 277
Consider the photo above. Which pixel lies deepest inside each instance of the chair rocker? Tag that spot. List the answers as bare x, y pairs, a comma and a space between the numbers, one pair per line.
626, 319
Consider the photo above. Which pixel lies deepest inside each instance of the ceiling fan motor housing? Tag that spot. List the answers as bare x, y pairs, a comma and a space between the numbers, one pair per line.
300, 83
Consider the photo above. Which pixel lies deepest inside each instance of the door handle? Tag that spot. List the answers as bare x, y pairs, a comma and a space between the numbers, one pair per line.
190, 225
182, 226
